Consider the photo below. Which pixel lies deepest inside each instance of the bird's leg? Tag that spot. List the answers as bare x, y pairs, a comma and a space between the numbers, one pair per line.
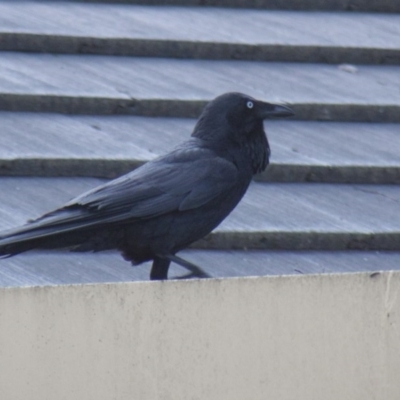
159, 269
195, 271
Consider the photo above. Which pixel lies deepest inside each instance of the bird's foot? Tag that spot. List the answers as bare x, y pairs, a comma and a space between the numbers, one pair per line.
195, 271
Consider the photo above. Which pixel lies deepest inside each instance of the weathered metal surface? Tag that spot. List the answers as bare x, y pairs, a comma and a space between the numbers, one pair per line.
271, 216
55, 268
103, 146
180, 32
386, 6
170, 87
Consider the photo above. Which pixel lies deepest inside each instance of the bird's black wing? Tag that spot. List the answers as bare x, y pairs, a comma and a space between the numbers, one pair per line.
182, 180
186, 181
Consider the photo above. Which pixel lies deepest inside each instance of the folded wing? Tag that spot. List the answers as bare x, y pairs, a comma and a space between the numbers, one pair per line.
183, 180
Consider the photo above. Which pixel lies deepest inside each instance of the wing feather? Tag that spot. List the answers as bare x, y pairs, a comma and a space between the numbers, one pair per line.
176, 182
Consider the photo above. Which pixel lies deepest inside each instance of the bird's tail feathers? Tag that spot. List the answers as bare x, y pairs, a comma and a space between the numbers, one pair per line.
47, 232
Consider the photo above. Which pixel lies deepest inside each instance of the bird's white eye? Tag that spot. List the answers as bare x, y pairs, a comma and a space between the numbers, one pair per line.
250, 104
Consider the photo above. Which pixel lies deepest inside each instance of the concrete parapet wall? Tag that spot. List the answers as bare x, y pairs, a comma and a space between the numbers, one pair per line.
290, 337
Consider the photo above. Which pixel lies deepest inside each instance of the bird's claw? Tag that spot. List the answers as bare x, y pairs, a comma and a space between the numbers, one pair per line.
192, 275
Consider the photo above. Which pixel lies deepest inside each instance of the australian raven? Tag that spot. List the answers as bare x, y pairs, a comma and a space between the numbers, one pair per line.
165, 205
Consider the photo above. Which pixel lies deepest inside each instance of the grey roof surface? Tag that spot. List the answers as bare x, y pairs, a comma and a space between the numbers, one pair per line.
141, 30
285, 224
346, 5
167, 87
106, 146
41, 269
148, 78
270, 216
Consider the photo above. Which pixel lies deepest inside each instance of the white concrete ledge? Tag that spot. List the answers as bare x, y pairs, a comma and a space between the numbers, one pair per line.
289, 337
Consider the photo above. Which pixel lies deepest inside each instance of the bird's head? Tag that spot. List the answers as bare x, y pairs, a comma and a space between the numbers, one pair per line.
236, 116
237, 119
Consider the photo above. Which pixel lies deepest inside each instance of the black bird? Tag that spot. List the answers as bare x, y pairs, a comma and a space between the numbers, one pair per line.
165, 205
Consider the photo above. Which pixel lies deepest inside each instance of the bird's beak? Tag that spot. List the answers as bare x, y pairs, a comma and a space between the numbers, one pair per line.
268, 110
